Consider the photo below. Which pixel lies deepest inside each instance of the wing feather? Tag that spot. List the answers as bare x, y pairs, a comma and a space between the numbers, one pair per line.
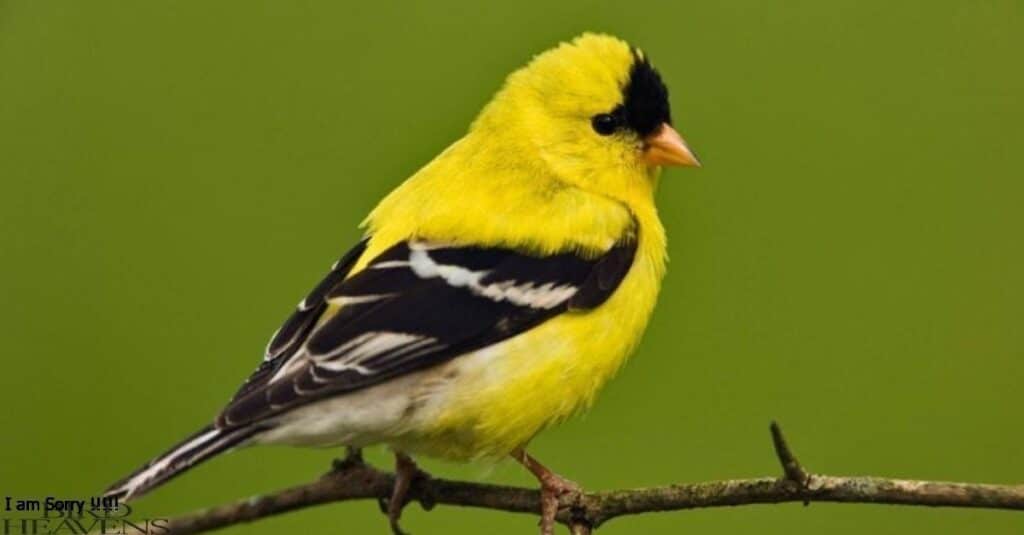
415, 306
296, 329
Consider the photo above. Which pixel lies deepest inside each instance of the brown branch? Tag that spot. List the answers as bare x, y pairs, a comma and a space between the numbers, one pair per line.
353, 480
790, 466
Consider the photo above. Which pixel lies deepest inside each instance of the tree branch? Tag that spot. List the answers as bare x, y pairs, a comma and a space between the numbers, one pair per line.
353, 480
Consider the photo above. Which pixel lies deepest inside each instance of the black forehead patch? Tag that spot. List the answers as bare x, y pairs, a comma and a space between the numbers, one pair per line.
645, 97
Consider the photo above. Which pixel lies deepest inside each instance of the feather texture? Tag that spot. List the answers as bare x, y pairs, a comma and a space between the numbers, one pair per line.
417, 305
497, 290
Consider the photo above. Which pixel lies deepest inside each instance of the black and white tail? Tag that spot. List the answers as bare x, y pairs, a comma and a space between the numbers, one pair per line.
204, 444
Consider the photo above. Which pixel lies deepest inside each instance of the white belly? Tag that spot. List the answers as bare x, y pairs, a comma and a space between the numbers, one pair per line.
374, 415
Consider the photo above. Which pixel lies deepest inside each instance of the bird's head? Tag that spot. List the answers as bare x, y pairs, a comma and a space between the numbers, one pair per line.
594, 112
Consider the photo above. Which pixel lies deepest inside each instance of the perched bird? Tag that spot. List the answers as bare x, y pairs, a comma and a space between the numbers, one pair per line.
494, 293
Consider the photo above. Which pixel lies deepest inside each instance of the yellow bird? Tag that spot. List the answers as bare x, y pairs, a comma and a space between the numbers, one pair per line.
495, 291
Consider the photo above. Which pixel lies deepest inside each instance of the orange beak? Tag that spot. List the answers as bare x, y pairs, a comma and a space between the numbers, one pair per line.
666, 147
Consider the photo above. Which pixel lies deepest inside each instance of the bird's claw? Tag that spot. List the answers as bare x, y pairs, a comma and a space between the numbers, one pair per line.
554, 490
385, 507
353, 459
407, 476
420, 487
395, 528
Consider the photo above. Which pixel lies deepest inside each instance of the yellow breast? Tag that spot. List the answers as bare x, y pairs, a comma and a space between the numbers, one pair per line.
498, 398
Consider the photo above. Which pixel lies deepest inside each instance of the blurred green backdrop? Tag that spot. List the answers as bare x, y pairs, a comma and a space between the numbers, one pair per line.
175, 175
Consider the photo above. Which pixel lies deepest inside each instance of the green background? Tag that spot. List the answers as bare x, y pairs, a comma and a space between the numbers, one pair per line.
175, 175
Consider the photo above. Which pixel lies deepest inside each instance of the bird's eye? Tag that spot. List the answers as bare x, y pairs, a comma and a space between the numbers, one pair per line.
604, 123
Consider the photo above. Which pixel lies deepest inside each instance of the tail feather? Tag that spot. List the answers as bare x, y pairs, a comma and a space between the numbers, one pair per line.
200, 446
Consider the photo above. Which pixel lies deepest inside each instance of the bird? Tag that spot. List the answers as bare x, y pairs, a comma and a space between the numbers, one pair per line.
493, 293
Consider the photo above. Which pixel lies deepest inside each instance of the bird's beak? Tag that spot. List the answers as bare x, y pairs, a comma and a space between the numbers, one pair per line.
666, 147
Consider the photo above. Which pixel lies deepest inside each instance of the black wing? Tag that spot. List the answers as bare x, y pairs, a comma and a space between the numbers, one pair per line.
296, 329
415, 306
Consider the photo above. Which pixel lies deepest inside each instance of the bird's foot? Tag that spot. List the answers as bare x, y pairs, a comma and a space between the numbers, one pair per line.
406, 475
554, 490
353, 459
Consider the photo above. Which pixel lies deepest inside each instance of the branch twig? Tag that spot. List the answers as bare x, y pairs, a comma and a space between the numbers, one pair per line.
790, 466
584, 512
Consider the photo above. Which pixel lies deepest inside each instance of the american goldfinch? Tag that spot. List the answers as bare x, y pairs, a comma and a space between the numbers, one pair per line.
494, 293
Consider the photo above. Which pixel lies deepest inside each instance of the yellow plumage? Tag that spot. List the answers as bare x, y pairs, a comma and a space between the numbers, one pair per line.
550, 255
526, 178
